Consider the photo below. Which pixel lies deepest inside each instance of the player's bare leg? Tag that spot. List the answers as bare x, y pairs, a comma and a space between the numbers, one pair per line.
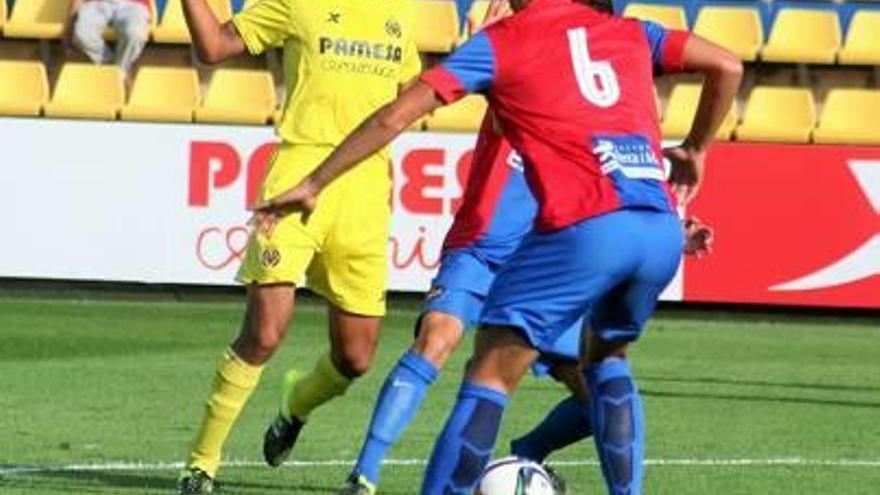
268, 313
439, 336
353, 340
501, 358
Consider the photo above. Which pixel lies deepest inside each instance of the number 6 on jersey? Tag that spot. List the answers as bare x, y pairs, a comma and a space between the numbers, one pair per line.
596, 78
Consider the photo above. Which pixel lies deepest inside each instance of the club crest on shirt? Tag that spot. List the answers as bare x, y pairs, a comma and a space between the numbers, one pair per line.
270, 258
393, 28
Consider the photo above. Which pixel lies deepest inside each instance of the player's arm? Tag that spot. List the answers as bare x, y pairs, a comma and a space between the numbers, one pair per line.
723, 73
368, 138
470, 69
214, 42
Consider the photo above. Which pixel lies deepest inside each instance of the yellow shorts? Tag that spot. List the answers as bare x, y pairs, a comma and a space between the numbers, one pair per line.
340, 250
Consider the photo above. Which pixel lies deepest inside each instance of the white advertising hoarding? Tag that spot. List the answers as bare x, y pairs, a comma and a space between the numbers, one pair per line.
162, 203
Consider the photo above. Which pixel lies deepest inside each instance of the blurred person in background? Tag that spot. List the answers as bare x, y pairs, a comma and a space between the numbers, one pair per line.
130, 19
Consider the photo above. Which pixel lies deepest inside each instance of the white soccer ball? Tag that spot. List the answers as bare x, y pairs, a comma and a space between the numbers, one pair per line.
514, 476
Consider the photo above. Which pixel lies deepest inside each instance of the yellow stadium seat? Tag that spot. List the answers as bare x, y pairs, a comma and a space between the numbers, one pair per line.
862, 45
670, 16
238, 96
24, 88
803, 36
86, 91
736, 28
849, 116
681, 108
778, 114
42, 19
435, 25
462, 116
2, 14
172, 27
163, 94
476, 15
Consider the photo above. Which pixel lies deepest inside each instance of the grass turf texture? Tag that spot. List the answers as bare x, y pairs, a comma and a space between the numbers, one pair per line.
96, 382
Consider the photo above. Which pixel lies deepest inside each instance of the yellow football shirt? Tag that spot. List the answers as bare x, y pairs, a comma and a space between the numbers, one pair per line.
343, 60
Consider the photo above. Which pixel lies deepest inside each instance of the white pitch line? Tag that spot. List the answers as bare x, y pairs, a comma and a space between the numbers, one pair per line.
174, 466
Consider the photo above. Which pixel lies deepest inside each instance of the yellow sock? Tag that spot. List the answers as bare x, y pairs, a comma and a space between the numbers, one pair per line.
233, 384
322, 384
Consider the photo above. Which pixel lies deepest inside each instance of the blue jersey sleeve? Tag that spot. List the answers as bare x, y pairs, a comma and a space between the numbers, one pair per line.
473, 63
667, 47
656, 35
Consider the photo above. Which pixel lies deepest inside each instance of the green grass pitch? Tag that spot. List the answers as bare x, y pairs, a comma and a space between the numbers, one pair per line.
736, 404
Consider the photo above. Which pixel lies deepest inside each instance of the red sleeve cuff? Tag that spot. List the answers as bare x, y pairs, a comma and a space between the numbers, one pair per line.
673, 51
444, 83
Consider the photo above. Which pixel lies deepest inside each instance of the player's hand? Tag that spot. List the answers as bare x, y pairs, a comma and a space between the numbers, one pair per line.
687, 171
300, 198
498, 9
263, 223
699, 237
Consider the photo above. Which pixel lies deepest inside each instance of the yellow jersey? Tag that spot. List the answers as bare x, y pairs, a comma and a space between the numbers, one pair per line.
343, 60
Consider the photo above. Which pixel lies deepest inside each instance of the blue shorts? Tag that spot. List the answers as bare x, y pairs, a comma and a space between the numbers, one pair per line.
461, 286
566, 349
460, 289
615, 265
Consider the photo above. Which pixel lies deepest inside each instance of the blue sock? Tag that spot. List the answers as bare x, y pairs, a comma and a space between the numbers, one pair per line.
619, 425
463, 448
569, 422
400, 398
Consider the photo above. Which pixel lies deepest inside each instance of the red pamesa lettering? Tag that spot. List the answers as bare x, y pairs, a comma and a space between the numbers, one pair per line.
216, 165
425, 189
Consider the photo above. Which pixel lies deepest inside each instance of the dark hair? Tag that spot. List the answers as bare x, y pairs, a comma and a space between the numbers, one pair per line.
606, 6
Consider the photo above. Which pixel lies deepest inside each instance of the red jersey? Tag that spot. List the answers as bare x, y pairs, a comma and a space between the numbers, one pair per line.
497, 209
573, 91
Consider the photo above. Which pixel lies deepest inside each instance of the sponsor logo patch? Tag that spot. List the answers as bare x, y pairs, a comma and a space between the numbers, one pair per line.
392, 27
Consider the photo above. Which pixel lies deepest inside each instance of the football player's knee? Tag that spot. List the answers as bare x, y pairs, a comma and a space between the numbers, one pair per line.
261, 337
438, 339
353, 364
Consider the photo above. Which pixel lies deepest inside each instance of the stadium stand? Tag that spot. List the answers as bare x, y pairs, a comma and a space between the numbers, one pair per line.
86, 91
238, 96
464, 116
42, 19
782, 39
24, 88
172, 26
778, 114
681, 108
736, 28
436, 26
849, 116
788, 43
862, 45
670, 16
163, 94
